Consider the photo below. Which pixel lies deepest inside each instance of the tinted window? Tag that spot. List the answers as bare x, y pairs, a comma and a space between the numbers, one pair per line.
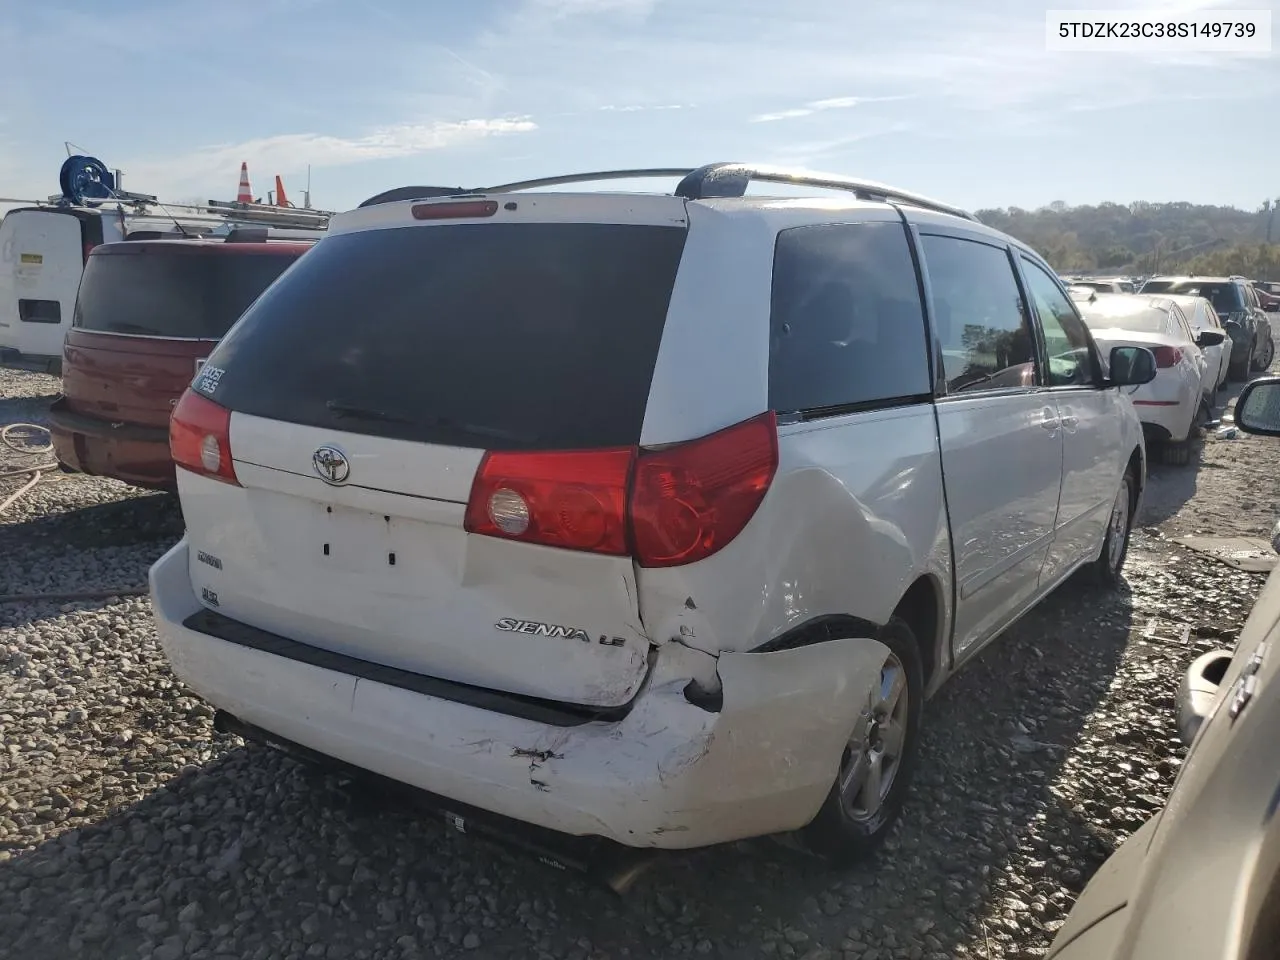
1065, 337
1224, 296
846, 325
40, 311
499, 336
170, 292
986, 340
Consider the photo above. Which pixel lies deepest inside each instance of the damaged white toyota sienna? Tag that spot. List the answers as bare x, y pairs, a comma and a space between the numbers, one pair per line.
650, 518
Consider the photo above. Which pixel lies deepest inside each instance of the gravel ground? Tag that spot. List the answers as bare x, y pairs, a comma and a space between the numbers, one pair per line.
128, 828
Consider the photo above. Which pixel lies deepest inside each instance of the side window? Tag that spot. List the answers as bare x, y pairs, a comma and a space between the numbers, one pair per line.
1066, 338
1251, 297
1184, 328
982, 325
40, 311
846, 325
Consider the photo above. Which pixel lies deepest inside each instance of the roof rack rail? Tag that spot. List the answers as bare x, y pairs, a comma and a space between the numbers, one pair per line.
413, 193
732, 180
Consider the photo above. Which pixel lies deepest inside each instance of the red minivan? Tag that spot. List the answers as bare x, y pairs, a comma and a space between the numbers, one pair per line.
147, 314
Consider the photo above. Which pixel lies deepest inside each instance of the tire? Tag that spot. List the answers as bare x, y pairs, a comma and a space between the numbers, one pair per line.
1108, 568
1175, 453
1261, 363
848, 828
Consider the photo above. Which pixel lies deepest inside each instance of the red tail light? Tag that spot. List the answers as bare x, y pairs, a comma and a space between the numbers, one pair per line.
200, 438
571, 499
1167, 356
691, 499
686, 501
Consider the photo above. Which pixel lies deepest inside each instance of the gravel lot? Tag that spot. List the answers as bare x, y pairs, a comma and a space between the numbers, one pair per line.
128, 828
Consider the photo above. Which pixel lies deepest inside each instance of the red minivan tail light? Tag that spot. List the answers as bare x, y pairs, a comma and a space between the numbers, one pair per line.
667, 507
1167, 356
691, 499
200, 438
571, 499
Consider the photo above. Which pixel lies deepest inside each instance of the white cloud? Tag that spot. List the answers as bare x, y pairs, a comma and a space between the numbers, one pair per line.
294, 152
637, 108
818, 106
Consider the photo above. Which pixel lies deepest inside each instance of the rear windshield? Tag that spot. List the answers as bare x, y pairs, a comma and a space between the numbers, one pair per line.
1225, 297
161, 292
500, 336
1141, 321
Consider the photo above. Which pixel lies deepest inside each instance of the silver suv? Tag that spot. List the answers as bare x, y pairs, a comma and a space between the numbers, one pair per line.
650, 518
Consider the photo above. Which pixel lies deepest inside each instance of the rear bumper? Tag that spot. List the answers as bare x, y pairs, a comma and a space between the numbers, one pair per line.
38, 362
1166, 410
669, 774
135, 453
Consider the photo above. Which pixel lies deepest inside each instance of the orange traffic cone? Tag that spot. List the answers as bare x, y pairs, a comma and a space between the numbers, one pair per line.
245, 195
281, 199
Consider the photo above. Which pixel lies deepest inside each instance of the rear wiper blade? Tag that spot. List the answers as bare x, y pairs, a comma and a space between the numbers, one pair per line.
340, 409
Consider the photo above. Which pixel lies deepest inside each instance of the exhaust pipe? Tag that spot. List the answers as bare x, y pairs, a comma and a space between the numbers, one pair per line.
603, 861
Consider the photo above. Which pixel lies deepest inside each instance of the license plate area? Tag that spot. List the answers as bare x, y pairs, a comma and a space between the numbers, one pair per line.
353, 541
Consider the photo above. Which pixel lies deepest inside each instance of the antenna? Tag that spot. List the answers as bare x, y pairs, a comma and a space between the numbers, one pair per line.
306, 194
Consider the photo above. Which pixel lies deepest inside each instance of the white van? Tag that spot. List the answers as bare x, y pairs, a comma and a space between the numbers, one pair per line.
43, 248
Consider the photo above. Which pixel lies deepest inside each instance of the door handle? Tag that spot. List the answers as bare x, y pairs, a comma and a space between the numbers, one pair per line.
1050, 423
1070, 422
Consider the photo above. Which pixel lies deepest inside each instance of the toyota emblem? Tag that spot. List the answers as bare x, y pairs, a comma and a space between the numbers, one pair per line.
331, 464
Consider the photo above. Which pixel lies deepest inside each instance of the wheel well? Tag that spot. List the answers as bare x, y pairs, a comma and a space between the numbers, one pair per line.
920, 607
1135, 465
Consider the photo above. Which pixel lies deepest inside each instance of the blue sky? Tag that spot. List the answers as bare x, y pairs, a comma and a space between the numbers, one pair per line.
957, 100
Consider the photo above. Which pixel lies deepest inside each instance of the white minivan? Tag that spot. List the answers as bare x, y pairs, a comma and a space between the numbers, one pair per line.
650, 518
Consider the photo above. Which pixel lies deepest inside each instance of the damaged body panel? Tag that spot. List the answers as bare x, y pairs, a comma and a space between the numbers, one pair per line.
670, 774
828, 504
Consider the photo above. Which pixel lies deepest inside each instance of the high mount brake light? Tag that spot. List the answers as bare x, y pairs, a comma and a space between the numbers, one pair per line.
456, 210
666, 507
200, 438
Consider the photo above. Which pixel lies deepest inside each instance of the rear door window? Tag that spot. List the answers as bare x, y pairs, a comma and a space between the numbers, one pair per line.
982, 322
846, 324
498, 336
165, 291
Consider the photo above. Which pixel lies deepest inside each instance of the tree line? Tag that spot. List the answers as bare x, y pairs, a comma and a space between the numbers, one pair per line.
1144, 238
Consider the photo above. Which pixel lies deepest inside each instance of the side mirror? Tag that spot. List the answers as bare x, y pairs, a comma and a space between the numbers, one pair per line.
1232, 328
1210, 338
1258, 407
1131, 366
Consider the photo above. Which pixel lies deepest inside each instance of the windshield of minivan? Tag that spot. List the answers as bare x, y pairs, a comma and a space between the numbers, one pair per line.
516, 335
169, 291
1225, 297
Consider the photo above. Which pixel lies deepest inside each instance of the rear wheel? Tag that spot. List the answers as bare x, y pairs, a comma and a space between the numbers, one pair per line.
1108, 567
875, 769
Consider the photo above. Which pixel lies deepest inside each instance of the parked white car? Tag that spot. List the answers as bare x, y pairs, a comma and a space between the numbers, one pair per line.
1172, 407
650, 518
1201, 878
1201, 316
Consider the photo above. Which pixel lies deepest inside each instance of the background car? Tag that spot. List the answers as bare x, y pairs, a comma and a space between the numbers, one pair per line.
1173, 405
1106, 284
147, 315
1242, 317
1201, 315
1201, 879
